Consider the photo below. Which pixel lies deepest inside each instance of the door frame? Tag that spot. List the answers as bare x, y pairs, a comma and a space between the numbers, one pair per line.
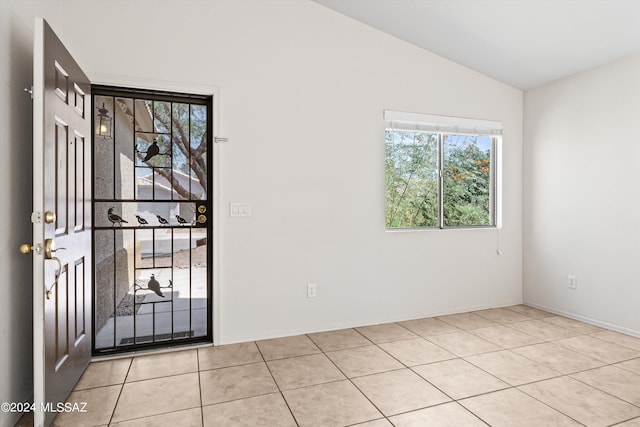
216, 196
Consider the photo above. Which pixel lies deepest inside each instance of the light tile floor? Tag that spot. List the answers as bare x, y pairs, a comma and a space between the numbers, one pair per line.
513, 366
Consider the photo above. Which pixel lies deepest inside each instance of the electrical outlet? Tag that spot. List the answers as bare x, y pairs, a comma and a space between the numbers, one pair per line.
572, 281
312, 290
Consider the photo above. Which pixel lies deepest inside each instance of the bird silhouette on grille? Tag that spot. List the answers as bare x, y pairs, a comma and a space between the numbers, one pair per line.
141, 220
181, 220
162, 220
154, 286
115, 218
153, 150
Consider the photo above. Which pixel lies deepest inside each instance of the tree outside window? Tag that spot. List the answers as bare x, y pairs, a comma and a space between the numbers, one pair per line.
439, 180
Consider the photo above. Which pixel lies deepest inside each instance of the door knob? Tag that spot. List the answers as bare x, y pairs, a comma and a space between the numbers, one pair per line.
27, 248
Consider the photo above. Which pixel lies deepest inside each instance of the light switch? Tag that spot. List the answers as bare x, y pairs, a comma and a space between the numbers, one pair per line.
239, 209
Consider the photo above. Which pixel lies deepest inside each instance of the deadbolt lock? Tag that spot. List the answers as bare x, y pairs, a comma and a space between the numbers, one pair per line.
49, 217
202, 219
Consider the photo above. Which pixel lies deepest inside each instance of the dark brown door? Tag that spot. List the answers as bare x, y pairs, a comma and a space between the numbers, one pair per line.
62, 222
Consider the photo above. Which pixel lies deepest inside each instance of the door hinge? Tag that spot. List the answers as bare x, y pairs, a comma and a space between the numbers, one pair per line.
29, 91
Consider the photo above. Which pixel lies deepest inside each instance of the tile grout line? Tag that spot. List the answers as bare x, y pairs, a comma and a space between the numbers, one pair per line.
452, 400
507, 349
351, 379
124, 381
441, 404
404, 366
411, 368
622, 422
363, 335
264, 360
357, 388
614, 343
567, 415
398, 369
149, 379
128, 420
370, 421
510, 386
200, 387
561, 375
599, 389
546, 404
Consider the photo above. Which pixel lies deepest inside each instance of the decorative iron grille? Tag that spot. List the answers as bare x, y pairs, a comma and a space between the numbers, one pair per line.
151, 213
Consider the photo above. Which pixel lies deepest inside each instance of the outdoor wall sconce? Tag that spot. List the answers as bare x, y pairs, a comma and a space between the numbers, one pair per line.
103, 123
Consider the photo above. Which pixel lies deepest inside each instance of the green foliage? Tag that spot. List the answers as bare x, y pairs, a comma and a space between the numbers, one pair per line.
411, 179
189, 125
412, 172
184, 136
467, 181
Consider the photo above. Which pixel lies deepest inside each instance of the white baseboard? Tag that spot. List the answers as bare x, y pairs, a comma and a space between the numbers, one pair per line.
588, 320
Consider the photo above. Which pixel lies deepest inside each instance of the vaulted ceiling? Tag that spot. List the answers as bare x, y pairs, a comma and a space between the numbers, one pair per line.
524, 43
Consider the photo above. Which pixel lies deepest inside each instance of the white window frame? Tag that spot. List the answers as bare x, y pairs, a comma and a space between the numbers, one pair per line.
441, 125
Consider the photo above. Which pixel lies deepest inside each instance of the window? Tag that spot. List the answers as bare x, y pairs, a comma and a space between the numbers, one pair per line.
441, 172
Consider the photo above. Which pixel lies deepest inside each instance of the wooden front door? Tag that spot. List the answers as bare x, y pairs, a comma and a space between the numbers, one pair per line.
61, 222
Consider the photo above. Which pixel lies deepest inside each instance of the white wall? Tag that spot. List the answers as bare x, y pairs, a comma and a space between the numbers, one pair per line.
302, 94
16, 47
582, 197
